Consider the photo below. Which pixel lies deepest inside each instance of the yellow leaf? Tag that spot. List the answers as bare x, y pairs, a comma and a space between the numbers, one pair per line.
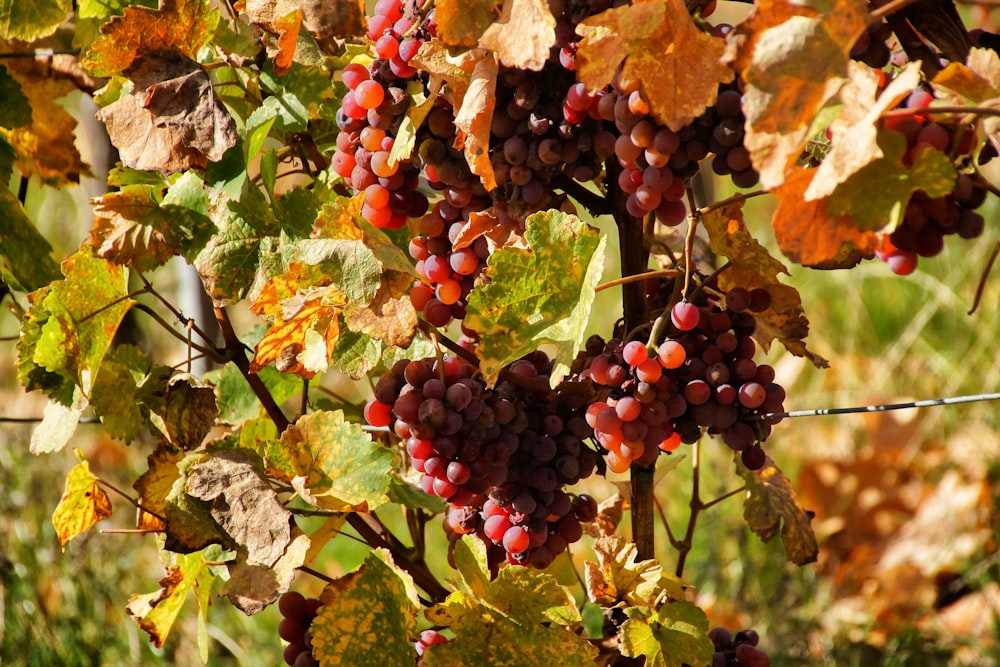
83, 503
524, 35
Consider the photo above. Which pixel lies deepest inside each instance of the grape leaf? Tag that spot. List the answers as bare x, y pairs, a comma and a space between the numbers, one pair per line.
252, 587
626, 44
523, 35
540, 295
182, 407
172, 120
674, 635
181, 25
753, 267
114, 394
461, 22
28, 21
808, 234
82, 505
771, 505
236, 400
355, 354
32, 376
793, 57
367, 617
154, 486
132, 227
977, 81
617, 577
58, 424
474, 118
243, 503
16, 110
855, 131
522, 618
390, 316
27, 255
332, 463
190, 526
325, 20
876, 196
46, 147
157, 612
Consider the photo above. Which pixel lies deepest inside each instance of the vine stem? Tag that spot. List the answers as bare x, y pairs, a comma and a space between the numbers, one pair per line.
685, 544
624, 280
112, 487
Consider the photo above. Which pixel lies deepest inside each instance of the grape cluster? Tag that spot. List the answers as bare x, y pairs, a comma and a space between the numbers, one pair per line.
701, 377
297, 614
739, 650
450, 272
369, 118
500, 457
429, 638
927, 221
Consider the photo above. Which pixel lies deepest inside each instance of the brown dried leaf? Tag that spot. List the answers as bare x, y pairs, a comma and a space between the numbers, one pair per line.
243, 503
173, 121
772, 506
809, 235
390, 317
626, 44
854, 131
753, 267
524, 34
475, 117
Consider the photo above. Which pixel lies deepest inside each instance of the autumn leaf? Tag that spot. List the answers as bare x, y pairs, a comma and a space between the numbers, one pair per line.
754, 267
157, 612
390, 316
808, 234
854, 133
543, 294
58, 424
82, 505
656, 44
28, 21
177, 25
324, 20
673, 635
172, 120
462, 22
154, 486
182, 407
793, 58
618, 577
474, 119
772, 507
331, 462
367, 617
243, 503
252, 587
876, 196
977, 81
523, 35
114, 394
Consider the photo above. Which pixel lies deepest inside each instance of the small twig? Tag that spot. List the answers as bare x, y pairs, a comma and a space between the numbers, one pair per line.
666, 524
889, 8
709, 280
635, 277
129, 531
315, 573
981, 287
181, 317
129, 498
725, 496
731, 200
208, 352
443, 340
686, 544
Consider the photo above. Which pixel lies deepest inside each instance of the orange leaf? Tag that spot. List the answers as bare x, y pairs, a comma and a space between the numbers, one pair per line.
184, 25
679, 83
524, 35
809, 235
390, 317
794, 60
83, 503
475, 117
288, 35
462, 22
753, 267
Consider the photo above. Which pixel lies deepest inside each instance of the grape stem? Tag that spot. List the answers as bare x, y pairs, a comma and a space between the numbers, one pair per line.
743, 196
636, 277
129, 498
689, 239
452, 346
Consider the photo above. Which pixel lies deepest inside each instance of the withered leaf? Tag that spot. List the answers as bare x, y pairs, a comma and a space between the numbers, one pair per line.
390, 317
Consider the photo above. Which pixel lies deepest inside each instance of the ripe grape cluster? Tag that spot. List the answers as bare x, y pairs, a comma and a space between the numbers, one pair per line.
297, 613
739, 650
927, 220
701, 377
500, 457
369, 118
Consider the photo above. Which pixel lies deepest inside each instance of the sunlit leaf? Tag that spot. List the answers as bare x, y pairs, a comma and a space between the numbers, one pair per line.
656, 44
390, 316
523, 35
772, 506
618, 577
26, 254
541, 295
82, 505
154, 485
368, 617
676, 634
460, 22
28, 21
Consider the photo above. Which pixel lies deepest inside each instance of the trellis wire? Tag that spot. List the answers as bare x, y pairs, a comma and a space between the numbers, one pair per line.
929, 403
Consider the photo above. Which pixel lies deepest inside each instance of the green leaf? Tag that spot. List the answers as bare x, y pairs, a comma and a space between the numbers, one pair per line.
771, 505
349, 264
876, 196
355, 353
156, 612
236, 399
285, 109
402, 492
114, 394
28, 21
536, 296
332, 463
182, 407
31, 375
675, 635
83, 503
16, 110
27, 255
7, 157
368, 617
